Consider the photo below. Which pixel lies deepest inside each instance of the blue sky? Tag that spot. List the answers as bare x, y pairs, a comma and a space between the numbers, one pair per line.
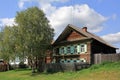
102, 17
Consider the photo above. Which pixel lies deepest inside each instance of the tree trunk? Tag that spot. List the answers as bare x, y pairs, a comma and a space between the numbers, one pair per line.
32, 64
33, 69
40, 65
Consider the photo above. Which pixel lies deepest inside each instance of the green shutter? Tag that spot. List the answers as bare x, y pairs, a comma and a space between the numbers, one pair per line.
65, 50
72, 49
59, 50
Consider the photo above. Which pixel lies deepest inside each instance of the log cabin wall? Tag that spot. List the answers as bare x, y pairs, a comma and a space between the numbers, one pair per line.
76, 53
74, 36
73, 51
78, 45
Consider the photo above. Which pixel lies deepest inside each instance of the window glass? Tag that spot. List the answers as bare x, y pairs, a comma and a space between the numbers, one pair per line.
82, 60
68, 49
62, 50
62, 61
75, 61
83, 48
75, 49
65, 51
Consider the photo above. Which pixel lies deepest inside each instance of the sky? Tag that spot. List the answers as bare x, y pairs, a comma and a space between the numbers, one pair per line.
101, 17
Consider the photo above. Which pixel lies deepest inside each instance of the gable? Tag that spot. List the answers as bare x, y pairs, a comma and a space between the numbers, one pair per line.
74, 36
72, 33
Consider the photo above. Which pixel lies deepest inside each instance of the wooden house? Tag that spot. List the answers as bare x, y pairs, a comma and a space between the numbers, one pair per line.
78, 45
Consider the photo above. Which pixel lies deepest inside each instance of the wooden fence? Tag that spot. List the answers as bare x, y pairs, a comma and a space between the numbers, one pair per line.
99, 58
55, 67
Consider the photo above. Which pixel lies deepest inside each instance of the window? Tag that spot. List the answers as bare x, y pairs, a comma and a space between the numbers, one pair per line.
56, 50
83, 48
82, 60
71, 60
78, 60
68, 60
68, 49
75, 61
75, 49
62, 61
62, 50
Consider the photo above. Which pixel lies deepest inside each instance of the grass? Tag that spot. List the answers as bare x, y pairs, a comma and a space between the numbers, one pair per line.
104, 71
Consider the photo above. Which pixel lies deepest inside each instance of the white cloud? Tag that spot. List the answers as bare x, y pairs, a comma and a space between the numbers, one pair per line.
7, 21
112, 38
21, 4
47, 7
79, 15
41, 2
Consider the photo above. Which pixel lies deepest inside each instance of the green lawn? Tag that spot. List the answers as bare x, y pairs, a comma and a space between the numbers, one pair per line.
105, 71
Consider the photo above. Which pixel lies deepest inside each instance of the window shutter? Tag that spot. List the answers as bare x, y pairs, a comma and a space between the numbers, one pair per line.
85, 47
65, 50
78, 48
59, 50
72, 49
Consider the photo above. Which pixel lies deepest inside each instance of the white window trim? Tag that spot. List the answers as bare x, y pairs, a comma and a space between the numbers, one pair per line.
84, 60
85, 48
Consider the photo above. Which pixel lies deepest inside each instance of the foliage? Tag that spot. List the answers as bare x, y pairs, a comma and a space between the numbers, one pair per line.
30, 38
7, 44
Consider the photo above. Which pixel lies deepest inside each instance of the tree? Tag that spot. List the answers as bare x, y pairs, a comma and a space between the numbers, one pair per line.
7, 44
36, 35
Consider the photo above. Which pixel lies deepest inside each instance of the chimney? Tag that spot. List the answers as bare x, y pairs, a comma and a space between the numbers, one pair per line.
84, 29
